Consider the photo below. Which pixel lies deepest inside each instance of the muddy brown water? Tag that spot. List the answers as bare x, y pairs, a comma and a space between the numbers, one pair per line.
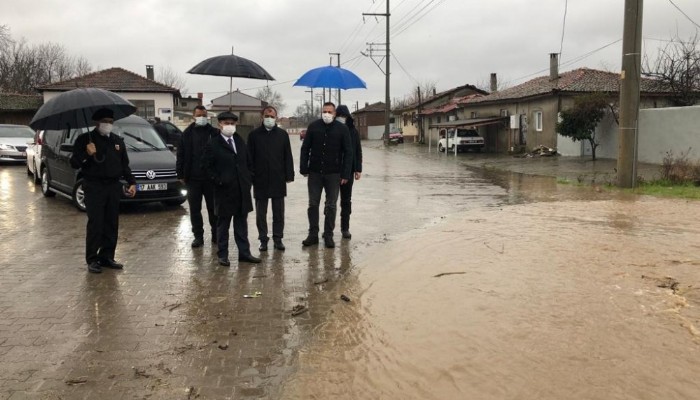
547, 300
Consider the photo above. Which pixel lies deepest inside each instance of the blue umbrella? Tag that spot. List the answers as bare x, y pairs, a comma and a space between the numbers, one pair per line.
331, 77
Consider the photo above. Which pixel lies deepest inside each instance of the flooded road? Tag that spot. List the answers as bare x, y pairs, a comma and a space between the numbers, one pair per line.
542, 297
547, 300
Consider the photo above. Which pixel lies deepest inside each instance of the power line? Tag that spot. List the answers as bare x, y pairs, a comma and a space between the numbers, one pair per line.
563, 27
419, 18
682, 12
404, 69
402, 21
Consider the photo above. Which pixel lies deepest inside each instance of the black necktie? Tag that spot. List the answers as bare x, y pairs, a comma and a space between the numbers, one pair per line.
230, 143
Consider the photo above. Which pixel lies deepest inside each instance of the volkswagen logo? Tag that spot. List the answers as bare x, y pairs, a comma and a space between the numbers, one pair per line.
151, 174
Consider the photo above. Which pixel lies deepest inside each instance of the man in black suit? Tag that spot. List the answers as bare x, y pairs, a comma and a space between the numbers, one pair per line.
225, 161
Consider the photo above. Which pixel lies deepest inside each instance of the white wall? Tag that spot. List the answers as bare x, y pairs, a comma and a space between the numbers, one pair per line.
161, 100
675, 129
375, 132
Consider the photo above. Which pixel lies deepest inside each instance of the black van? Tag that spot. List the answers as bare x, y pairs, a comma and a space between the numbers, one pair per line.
150, 160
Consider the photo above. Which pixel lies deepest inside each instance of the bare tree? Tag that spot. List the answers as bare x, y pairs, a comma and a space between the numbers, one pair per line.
168, 77
304, 113
272, 98
677, 66
82, 66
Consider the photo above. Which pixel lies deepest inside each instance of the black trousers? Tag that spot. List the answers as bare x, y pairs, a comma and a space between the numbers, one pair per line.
317, 183
240, 234
346, 203
102, 206
277, 218
196, 189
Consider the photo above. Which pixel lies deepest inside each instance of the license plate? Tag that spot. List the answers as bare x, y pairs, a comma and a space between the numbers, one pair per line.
143, 187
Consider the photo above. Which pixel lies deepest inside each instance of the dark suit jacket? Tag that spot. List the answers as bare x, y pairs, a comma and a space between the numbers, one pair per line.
271, 164
229, 171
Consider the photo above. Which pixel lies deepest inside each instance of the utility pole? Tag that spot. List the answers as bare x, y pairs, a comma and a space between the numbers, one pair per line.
387, 101
311, 104
630, 78
421, 139
338, 55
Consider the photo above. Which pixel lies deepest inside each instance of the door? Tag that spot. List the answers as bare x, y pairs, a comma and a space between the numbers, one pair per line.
63, 175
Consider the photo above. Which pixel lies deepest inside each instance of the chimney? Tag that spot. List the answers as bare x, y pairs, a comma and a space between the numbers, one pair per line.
434, 91
553, 66
366, 104
494, 83
149, 72
200, 98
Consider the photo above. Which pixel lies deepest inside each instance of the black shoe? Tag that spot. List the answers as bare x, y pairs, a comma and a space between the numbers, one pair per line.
310, 241
197, 242
111, 264
249, 258
346, 234
263, 246
224, 261
95, 267
279, 245
328, 242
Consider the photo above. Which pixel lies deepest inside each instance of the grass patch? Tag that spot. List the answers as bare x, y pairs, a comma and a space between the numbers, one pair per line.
665, 188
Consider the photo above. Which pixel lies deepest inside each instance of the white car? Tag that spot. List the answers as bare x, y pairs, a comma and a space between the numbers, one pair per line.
466, 139
34, 156
13, 142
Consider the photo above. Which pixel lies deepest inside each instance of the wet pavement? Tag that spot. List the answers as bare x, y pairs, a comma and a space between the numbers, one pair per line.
174, 324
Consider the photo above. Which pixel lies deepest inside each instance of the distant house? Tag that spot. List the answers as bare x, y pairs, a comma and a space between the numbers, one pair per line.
184, 111
525, 116
152, 99
370, 120
18, 108
407, 118
248, 109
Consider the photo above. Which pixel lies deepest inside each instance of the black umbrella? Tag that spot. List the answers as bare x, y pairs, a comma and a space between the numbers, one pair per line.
73, 109
231, 66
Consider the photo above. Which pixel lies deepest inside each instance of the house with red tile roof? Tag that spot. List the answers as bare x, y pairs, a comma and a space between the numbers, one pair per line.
152, 99
369, 121
524, 116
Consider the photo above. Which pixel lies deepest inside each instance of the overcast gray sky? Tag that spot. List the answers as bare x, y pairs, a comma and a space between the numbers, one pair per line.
449, 42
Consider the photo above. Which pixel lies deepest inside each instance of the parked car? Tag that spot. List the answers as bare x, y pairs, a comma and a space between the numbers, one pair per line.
168, 131
13, 142
395, 137
34, 156
466, 139
150, 160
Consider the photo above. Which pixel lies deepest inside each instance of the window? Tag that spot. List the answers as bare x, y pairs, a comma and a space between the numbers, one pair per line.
504, 112
538, 121
439, 119
145, 108
474, 114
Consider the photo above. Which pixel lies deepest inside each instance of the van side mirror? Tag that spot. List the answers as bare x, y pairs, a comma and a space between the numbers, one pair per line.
68, 148
170, 147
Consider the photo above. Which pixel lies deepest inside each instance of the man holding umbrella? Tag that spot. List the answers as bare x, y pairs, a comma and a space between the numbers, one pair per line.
190, 172
101, 155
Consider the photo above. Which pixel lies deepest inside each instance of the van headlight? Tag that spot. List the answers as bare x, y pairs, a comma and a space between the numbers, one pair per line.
183, 192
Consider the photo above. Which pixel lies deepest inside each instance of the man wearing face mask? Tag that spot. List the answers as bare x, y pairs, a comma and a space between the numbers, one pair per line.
326, 158
190, 172
272, 167
101, 157
225, 161
344, 117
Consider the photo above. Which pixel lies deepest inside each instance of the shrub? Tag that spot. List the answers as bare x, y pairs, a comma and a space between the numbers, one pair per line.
679, 169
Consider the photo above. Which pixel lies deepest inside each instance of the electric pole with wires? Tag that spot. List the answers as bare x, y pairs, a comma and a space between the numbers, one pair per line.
387, 102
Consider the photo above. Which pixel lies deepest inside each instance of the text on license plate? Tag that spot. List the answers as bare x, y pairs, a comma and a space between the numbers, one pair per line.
142, 187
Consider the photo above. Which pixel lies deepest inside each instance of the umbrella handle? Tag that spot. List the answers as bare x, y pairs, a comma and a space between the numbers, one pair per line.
94, 156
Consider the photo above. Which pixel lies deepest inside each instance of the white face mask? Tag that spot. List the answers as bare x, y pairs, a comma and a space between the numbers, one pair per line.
228, 130
200, 121
327, 117
104, 128
269, 122
340, 119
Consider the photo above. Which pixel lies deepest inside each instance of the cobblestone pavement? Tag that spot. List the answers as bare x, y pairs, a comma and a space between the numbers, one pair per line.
174, 324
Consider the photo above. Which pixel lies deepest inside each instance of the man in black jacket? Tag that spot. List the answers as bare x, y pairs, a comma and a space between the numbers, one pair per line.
225, 161
326, 158
190, 172
343, 115
102, 159
272, 167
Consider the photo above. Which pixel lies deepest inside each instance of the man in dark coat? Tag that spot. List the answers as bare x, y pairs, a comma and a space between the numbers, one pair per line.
101, 157
272, 168
342, 114
225, 161
191, 173
326, 158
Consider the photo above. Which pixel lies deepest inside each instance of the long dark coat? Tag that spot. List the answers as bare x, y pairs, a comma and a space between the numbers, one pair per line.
271, 164
229, 171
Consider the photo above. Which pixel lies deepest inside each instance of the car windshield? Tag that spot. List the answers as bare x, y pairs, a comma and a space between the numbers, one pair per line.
467, 133
16, 132
139, 137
